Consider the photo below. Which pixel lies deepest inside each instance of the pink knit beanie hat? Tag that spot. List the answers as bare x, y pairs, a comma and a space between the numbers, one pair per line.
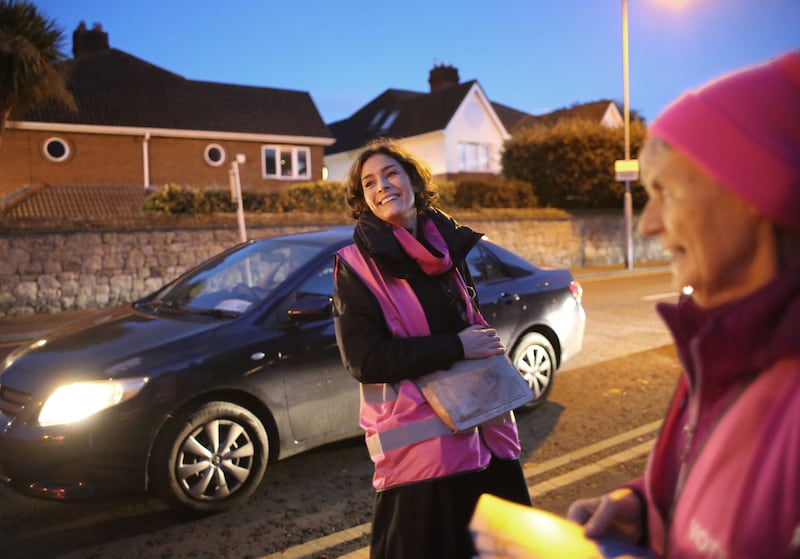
743, 129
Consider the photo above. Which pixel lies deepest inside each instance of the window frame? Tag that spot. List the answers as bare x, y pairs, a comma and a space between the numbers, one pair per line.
63, 142
279, 150
223, 155
477, 162
486, 267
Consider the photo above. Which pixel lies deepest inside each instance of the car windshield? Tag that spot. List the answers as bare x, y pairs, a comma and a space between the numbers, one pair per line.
233, 284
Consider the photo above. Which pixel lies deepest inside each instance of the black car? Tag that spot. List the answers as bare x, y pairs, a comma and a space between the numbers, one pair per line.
190, 392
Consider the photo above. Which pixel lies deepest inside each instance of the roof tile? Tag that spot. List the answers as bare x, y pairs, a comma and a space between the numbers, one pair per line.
398, 113
113, 88
75, 202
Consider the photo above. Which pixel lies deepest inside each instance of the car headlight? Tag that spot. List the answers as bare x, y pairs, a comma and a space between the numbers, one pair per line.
73, 402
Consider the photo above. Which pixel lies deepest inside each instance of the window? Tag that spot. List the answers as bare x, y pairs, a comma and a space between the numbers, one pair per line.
473, 156
485, 267
56, 149
376, 119
236, 281
320, 284
286, 162
388, 122
215, 155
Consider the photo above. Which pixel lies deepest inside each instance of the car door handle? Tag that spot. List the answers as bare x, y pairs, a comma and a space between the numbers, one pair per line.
509, 298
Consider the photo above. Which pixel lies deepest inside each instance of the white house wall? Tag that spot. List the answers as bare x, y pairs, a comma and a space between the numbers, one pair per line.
429, 148
338, 164
612, 118
475, 122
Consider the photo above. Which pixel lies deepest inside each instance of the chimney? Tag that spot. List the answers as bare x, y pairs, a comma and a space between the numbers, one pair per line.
88, 40
441, 77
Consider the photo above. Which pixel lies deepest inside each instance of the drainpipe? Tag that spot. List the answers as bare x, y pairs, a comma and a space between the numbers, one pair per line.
146, 159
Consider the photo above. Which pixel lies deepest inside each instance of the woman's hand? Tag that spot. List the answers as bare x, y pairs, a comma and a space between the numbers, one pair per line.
479, 342
617, 514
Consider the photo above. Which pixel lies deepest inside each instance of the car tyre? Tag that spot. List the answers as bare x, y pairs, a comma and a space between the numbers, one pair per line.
210, 459
535, 360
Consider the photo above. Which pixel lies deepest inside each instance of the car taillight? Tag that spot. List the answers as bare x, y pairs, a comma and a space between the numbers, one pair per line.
576, 290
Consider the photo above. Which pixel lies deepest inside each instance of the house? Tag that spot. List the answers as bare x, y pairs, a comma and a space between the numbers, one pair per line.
140, 125
454, 128
605, 112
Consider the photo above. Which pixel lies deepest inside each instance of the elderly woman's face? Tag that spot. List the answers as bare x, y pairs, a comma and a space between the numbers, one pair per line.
388, 191
719, 245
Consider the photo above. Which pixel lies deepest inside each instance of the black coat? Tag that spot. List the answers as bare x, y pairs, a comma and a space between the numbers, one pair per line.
369, 350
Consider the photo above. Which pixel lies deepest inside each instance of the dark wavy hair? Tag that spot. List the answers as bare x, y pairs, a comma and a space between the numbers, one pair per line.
418, 173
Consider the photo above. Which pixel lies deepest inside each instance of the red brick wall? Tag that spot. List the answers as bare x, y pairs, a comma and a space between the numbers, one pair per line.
97, 159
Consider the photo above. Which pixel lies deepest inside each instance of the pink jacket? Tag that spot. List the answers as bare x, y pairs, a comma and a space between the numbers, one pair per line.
723, 480
406, 440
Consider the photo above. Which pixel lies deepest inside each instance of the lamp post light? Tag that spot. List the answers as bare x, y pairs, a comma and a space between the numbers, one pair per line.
628, 202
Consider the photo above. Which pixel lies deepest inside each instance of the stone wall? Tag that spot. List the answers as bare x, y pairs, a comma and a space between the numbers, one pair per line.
54, 271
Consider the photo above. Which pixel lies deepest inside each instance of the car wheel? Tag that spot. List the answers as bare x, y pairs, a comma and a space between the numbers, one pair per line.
210, 459
535, 359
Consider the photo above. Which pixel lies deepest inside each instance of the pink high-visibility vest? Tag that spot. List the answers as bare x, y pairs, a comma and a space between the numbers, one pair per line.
406, 440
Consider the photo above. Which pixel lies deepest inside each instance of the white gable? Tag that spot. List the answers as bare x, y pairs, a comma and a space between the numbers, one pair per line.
612, 117
474, 129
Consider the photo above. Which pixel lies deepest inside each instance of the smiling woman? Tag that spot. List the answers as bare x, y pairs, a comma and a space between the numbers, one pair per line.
403, 309
388, 192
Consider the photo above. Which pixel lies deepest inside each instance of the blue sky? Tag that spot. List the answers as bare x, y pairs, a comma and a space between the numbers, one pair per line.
532, 55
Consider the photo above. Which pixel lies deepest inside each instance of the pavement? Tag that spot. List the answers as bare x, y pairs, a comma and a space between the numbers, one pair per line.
17, 329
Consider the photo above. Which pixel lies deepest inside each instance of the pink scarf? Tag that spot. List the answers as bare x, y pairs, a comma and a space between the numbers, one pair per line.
434, 265
430, 264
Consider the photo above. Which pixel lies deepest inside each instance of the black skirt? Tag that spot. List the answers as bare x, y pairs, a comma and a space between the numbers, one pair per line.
430, 519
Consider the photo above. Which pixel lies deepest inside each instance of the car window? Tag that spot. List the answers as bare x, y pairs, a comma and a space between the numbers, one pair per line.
485, 266
320, 284
241, 278
276, 266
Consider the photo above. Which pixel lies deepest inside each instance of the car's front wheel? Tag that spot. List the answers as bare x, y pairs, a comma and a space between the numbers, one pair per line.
535, 359
210, 459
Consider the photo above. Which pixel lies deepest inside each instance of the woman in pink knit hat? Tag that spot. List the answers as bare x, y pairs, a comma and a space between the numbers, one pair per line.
721, 168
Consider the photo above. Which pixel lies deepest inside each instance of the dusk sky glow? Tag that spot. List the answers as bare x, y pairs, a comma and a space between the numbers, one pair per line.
532, 55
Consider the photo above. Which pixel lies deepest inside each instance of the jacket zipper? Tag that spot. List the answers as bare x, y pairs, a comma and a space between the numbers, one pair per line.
685, 464
688, 434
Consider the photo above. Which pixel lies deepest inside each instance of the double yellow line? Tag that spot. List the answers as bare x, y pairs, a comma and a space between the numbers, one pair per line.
531, 470
596, 466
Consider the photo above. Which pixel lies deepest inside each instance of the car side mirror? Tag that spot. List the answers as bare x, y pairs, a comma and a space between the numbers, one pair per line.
309, 309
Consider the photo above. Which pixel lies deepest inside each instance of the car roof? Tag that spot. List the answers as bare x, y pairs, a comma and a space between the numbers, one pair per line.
327, 236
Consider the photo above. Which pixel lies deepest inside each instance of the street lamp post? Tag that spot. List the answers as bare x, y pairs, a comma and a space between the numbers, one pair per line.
236, 191
628, 202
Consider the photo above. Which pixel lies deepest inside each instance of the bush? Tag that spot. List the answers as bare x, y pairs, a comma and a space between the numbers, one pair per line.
173, 199
572, 163
321, 196
473, 193
217, 201
445, 194
499, 194
328, 196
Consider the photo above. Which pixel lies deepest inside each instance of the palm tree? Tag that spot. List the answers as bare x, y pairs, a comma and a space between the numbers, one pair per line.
29, 60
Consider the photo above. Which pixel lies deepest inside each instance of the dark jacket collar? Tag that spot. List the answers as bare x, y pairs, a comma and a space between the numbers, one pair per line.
374, 237
741, 339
